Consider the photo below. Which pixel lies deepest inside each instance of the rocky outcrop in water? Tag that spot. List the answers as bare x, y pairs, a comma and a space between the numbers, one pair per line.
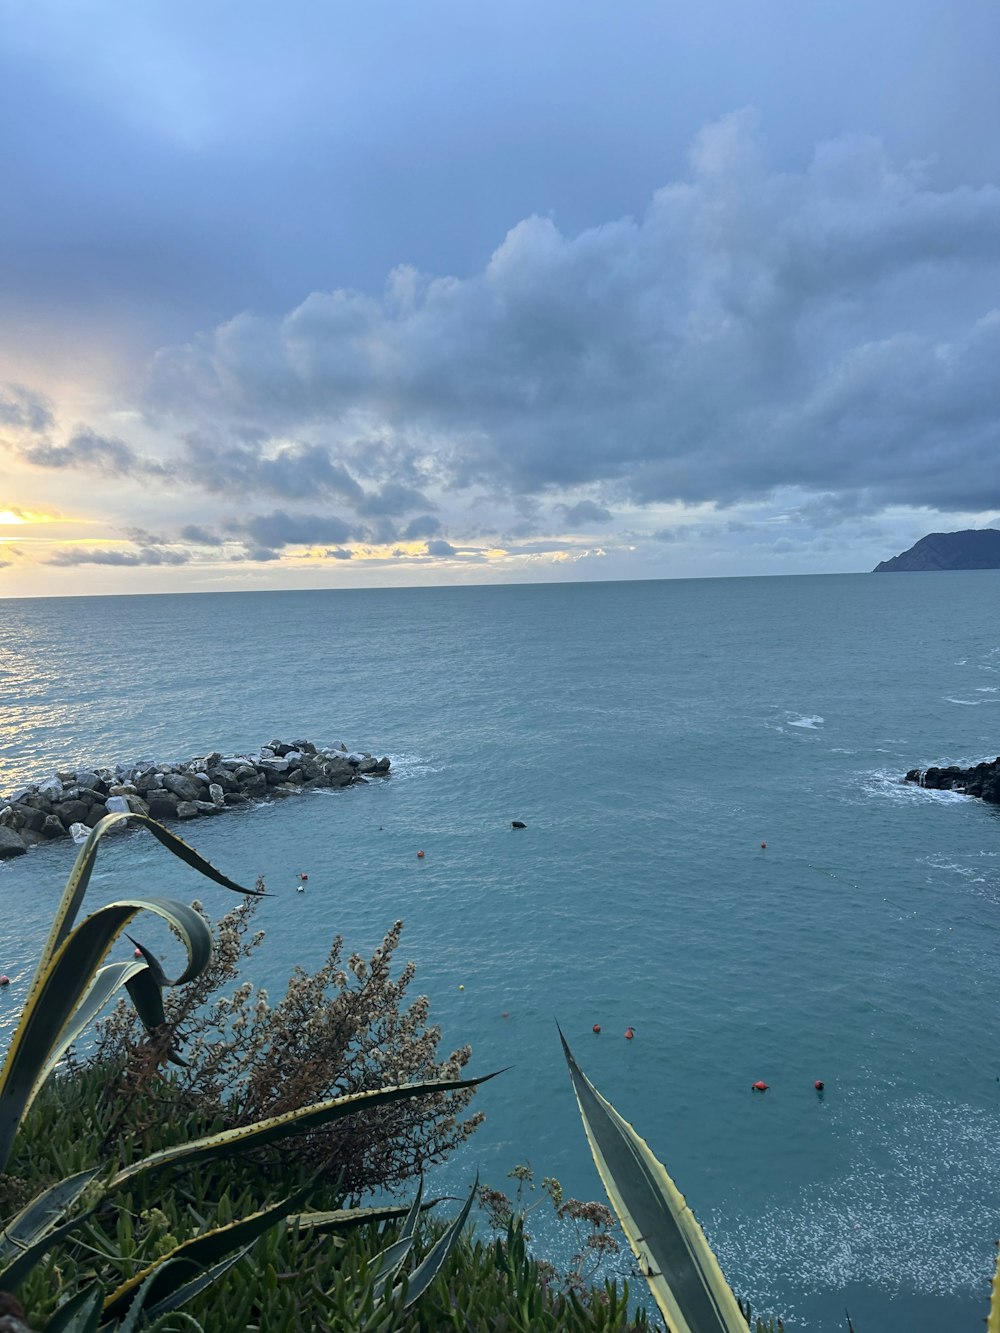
983, 780
70, 803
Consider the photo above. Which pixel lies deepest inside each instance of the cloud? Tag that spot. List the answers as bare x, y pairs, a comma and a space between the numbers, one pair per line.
23, 409
829, 330
192, 532
89, 450
440, 547
425, 525
340, 553
392, 499
279, 529
78, 555
585, 513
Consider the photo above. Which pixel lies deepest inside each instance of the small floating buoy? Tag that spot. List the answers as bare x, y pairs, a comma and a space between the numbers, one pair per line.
629, 1034
597, 1027
504, 1014
819, 1085
420, 855
763, 846
303, 877
137, 953
461, 987
518, 823
4, 979
760, 1086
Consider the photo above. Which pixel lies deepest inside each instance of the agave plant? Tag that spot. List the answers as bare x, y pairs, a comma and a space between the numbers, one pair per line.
673, 1254
71, 984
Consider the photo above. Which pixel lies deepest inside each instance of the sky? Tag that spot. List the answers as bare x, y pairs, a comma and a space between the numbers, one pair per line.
440, 292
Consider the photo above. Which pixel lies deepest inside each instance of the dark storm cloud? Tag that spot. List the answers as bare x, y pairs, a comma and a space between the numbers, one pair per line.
424, 525
392, 499
223, 465
279, 529
78, 555
832, 331
440, 547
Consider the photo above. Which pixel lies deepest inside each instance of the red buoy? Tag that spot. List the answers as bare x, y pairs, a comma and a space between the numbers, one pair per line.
303, 877
4, 979
629, 1034
137, 953
421, 855
763, 846
819, 1085
760, 1086
597, 1027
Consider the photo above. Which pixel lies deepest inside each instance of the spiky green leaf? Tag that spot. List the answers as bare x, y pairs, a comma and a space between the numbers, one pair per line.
278, 1127
183, 1265
80, 1314
429, 1267
674, 1256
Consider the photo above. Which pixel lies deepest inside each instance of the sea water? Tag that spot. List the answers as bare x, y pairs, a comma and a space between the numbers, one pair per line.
651, 736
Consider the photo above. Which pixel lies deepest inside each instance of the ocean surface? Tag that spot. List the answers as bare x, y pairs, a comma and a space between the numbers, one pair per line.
651, 736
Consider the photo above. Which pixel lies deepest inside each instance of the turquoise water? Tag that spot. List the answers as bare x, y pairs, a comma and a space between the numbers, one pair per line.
651, 736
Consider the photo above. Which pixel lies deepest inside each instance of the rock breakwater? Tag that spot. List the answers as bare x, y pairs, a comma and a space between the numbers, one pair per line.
982, 780
70, 803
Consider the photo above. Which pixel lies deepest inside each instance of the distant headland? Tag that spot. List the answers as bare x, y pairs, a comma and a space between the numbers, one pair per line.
70, 803
975, 548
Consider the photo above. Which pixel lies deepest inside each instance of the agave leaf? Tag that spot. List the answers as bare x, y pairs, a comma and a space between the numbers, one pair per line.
674, 1256
391, 1259
993, 1322
427, 1270
80, 1314
292, 1122
66, 981
138, 1313
42, 1213
182, 1267
76, 885
106, 983
387, 1263
341, 1219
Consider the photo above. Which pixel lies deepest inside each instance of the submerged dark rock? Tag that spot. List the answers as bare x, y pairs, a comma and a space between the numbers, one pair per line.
71, 802
982, 780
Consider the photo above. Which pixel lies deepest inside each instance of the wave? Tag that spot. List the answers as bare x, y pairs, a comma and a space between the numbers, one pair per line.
971, 703
890, 783
810, 721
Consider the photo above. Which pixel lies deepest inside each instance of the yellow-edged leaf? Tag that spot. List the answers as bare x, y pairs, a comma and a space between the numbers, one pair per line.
674, 1256
993, 1322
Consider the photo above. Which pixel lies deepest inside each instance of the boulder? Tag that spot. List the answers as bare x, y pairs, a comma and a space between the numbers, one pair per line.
188, 809
186, 788
982, 780
11, 843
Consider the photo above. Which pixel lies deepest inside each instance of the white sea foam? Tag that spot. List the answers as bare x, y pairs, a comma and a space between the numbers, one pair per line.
971, 703
889, 783
806, 720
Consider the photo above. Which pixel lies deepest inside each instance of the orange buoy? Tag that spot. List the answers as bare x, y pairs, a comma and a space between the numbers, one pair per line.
629, 1034
421, 855
760, 1086
819, 1085
597, 1027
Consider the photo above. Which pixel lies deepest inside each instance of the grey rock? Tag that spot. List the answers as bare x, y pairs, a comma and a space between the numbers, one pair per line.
11, 843
187, 789
209, 808
117, 805
188, 809
215, 794
52, 828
